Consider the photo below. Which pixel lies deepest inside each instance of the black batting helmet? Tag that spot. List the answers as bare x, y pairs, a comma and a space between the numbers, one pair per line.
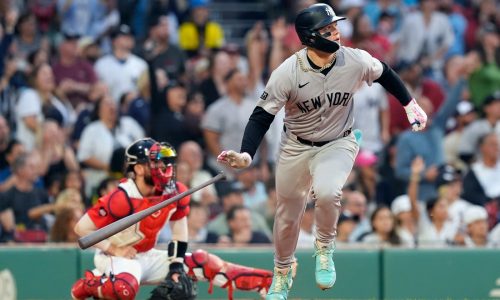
310, 20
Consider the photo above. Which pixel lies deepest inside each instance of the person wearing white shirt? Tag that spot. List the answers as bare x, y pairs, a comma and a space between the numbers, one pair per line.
121, 69
105, 134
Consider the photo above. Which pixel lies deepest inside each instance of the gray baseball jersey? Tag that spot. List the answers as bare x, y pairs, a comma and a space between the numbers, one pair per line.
318, 108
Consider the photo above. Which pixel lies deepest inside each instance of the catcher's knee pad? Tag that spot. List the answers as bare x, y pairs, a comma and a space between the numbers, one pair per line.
227, 275
123, 286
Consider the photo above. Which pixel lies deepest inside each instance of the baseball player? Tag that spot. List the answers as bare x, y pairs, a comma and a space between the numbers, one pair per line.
128, 259
318, 147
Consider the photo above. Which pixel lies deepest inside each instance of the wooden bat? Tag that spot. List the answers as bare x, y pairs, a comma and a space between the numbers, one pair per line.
115, 227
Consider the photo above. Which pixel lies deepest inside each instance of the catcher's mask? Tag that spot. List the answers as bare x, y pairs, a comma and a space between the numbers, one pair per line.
162, 161
308, 23
160, 157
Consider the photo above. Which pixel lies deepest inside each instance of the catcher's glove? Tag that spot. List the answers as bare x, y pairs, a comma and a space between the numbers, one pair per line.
185, 289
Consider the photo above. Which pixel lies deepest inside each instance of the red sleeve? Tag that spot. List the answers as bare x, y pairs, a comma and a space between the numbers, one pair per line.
182, 205
110, 208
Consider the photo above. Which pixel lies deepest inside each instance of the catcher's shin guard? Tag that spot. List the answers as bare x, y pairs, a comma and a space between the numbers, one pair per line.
122, 286
208, 267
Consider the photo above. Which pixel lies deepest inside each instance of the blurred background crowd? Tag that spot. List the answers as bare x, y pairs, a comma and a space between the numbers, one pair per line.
82, 79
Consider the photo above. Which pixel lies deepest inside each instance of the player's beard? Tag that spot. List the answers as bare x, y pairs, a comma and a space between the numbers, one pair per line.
148, 179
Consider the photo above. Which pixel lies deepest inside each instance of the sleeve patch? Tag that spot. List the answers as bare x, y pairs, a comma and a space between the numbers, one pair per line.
264, 96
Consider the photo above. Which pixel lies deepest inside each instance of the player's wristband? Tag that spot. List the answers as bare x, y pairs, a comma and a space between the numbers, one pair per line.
177, 251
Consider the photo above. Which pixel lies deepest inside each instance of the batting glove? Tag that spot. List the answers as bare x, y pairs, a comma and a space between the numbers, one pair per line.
416, 115
234, 159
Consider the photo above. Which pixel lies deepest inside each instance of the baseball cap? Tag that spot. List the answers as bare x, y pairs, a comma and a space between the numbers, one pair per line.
70, 36
494, 97
464, 107
401, 204
229, 187
347, 217
123, 29
447, 174
199, 3
365, 158
475, 213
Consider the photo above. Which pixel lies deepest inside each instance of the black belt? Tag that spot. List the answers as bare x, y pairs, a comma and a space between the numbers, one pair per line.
319, 144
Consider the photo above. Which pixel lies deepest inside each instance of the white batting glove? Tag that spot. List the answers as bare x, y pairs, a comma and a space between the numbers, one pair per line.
234, 159
416, 115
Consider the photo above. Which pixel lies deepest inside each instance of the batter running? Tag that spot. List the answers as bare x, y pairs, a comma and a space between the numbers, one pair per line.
317, 150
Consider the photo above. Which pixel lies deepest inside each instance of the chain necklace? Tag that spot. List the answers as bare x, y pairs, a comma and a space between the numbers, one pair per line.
307, 69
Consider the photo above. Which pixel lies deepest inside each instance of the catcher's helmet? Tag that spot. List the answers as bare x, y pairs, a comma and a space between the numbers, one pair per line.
138, 152
310, 20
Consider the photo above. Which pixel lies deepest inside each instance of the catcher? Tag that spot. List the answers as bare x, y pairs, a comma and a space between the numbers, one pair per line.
128, 259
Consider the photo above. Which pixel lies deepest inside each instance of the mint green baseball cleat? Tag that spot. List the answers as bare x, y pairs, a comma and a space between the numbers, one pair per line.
282, 282
325, 268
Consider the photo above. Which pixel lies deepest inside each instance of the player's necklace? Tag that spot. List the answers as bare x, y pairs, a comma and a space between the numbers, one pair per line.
307, 69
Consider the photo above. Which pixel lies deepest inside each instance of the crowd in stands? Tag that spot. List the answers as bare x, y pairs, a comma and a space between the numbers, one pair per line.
82, 79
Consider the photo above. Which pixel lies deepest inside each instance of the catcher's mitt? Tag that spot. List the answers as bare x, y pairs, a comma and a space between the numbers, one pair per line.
185, 289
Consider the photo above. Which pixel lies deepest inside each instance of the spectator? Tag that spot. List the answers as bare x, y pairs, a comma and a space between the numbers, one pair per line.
162, 53
365, 37
485, 64
464, 115
167, 120
12, 152
426, 35
371, 116
120, 61
192, 154
268, 208
74, 76
65, 220
197, 225
255, 190
383, 229
389, 185
481, 182
200, 34
411, 73
355, 207
27, 203
95, 154
489, 123
28, 39
89, 50
449, 184
224, 122
5, 139
427, 144
458, 24
406, 215
9, 87
440, 231
476, 219
7, 35
306, 233
239, 221
231, 195
366, 180
57, 156
345, 228
193, 114
39, 103
77, 16
214, 87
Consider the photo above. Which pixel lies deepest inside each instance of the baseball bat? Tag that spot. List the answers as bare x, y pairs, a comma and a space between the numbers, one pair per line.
115, 227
